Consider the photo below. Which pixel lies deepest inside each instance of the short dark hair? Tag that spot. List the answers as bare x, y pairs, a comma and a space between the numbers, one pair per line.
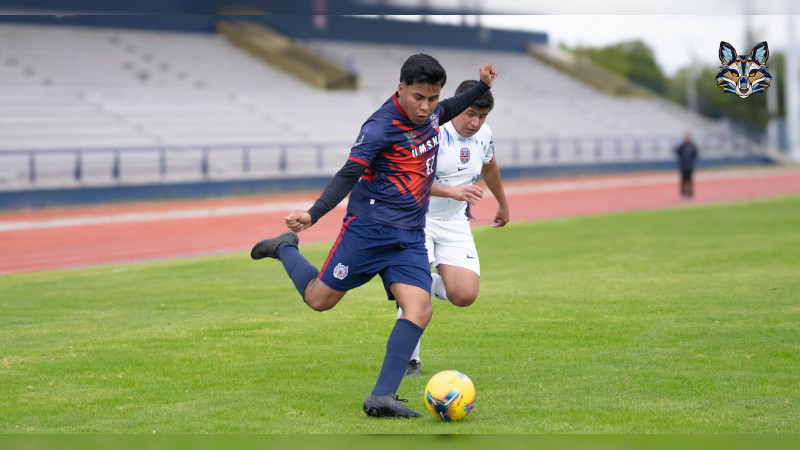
422, 68
485, 101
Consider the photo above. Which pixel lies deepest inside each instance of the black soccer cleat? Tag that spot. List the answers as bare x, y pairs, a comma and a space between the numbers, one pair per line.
269, 247
387, 406
414, 369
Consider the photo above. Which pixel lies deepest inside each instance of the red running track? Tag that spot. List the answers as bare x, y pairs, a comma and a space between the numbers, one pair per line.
85, 236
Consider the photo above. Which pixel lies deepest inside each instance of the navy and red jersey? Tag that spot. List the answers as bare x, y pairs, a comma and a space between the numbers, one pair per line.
392, 164
401, 162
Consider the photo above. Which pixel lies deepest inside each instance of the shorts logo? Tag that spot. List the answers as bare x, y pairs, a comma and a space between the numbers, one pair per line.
464, 155
340, 271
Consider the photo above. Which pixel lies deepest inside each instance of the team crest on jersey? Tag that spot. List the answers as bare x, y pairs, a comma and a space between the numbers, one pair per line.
435, 120
464, 155
359, 141
340, 271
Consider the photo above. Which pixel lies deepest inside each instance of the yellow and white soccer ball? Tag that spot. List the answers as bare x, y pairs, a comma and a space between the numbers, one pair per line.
450, 395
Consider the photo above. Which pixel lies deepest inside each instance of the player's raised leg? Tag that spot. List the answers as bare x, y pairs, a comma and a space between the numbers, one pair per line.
438, 289
315, 293
461, 285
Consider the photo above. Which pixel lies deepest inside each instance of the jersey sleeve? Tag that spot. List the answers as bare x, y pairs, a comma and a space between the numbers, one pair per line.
487, 140
338, 188
371, 140
453, 106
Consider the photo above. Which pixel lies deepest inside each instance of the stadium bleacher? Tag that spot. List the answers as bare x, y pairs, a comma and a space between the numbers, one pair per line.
191, 106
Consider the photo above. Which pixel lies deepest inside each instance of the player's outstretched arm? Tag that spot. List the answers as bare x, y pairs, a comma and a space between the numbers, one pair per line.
333, 194
491, 175
453, 106
487, 73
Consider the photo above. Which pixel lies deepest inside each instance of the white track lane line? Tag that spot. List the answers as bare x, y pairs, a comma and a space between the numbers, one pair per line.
195, 213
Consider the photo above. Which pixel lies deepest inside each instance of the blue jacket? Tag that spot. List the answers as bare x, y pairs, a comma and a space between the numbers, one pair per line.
687, 154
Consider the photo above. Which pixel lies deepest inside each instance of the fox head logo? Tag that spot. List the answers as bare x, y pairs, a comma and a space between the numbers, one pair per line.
743, 76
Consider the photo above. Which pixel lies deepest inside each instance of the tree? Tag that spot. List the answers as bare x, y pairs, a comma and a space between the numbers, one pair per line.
632, 59
712, 102
636, 61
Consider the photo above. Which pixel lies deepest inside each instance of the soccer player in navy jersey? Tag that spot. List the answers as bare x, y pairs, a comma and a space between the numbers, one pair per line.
388, 175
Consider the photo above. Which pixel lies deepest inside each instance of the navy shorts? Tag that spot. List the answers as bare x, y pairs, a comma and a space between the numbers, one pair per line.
365, 249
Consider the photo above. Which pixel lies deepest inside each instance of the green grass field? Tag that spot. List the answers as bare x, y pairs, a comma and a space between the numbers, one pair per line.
673, 321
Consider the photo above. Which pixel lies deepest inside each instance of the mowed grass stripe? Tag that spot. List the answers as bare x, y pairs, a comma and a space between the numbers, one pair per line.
672, 321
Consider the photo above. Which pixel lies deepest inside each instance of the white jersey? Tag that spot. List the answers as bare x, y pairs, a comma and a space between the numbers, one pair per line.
459, 163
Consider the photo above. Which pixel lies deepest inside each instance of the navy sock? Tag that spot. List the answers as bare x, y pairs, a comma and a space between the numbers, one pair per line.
402, 341
299, 269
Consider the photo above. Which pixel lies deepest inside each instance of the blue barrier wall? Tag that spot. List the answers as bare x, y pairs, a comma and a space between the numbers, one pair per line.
111, 7
298, 26
398, 32
99, 195
332, 7
186, 23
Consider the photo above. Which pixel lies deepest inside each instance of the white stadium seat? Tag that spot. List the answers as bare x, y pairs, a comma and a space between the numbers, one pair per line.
75, 88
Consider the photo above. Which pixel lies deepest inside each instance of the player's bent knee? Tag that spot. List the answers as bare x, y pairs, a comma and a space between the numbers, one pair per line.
462, 301
319, 298
420, 315
322, 302
318, 304
463, 298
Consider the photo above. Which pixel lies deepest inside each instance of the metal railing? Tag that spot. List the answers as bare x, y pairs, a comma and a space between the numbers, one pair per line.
588, 150
61, 168
26, 169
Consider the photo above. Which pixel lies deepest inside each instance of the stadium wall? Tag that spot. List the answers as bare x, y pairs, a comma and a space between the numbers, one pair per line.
355, 29
339, 28
210, 7
106, 7
184, 23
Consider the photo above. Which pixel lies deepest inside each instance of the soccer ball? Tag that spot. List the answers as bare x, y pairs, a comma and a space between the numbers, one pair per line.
450, 395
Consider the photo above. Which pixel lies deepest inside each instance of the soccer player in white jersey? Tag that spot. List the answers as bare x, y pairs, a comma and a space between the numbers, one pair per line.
466, 151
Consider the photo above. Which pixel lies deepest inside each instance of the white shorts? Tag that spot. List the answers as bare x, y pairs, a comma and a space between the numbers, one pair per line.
450, 242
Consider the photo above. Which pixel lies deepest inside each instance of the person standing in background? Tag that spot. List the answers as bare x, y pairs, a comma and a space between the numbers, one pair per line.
687, 155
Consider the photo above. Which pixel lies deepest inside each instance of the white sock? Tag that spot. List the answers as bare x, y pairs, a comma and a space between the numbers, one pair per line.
437, 287
415, 355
